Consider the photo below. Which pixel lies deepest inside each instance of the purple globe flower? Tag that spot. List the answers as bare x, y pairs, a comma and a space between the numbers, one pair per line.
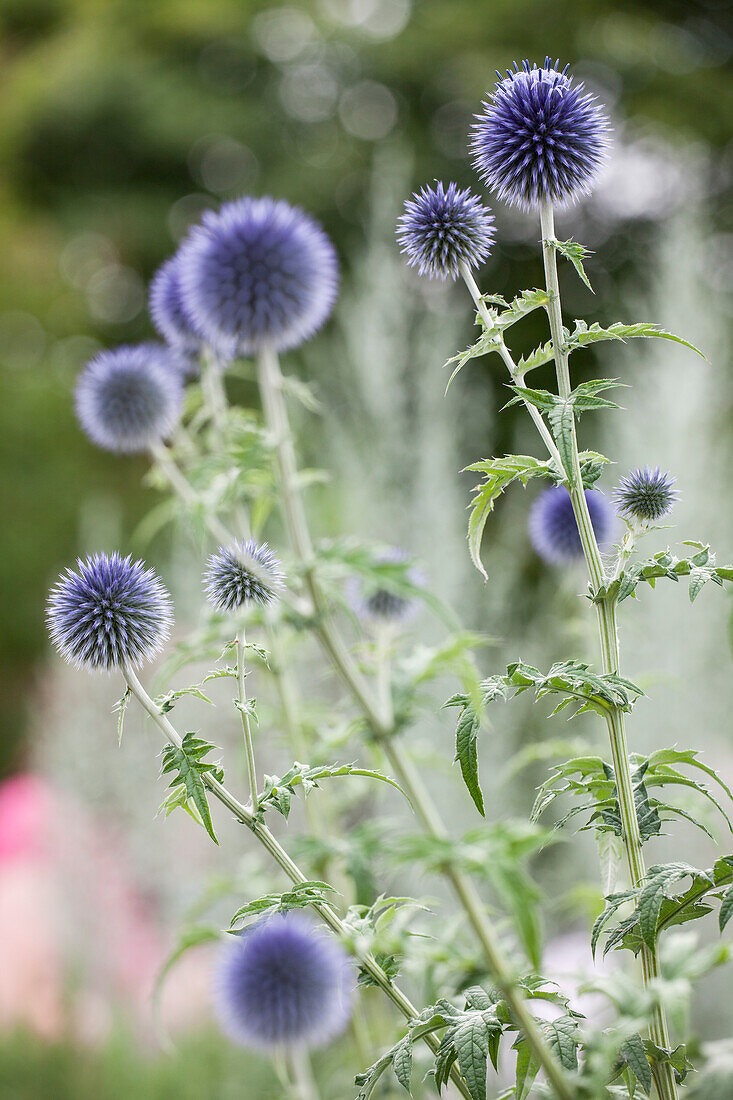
238, 574
375, 602
130, 398
540, 137
112, 611
645, 494
167, 310
283, 984
260, 273
444, 228
553, 530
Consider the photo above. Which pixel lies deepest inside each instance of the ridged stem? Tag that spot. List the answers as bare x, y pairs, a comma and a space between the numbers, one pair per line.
608, 632
327, 913
249, 748
382, 725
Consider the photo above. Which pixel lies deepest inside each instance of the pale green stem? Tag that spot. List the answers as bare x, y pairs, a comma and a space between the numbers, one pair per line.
186, 492
301, 1074
517, 377
212, 386
606, 610
249, 748
383, 727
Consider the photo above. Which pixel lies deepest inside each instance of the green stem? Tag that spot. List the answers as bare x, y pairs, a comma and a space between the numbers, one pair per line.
382, 723
327, 913
301, 1075
608, 631
249, 749
212, 385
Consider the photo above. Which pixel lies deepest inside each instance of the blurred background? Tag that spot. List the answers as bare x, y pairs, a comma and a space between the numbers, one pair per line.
119, 123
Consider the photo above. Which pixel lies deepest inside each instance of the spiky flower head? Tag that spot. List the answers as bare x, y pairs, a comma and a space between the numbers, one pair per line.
540, 136
283, 984
377, 601
259, 273
110, 611
442, 228
645, 495
130, 398
553, 530
167, 310
241, 573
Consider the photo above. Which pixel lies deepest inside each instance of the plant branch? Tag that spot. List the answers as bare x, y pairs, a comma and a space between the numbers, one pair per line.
608, 630
242, 706
327, 913
382, 725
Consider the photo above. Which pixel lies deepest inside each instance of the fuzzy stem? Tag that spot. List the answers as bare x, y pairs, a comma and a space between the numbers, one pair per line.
382, 724
517, 377
608, 630
327, 913
249, 749
212, 385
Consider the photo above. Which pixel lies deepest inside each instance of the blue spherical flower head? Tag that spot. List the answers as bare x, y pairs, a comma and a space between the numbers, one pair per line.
540, 137
129, 399
553, 530
167, 310
645, 495
381, 605
260, 273
443, 228
243, 573
283, 984
110, 611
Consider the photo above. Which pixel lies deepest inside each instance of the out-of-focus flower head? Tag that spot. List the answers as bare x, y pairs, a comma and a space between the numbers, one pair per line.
553, 529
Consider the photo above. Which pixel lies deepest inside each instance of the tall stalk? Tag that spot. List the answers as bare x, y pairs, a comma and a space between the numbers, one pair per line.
327, 913
381, 720
608, 632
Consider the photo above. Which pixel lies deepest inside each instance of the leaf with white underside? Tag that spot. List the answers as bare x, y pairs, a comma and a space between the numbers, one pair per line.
575, 253
498, 474
490, 339
278, 791
120, 707
300, 896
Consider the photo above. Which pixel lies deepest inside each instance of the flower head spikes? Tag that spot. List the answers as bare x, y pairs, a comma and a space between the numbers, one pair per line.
645, 495
540, 136
259, 273
553, 529
241, 573
167, 310
130, 398
442, 228
283, 984
379, 604
111, 611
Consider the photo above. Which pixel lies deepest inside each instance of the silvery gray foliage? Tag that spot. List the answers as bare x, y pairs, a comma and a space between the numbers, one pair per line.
479, 966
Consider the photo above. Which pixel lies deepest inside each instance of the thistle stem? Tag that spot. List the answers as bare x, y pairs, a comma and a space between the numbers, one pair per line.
301, 1074
517, 377
608, 631
383, 725
327, 913
212, 385
249, 749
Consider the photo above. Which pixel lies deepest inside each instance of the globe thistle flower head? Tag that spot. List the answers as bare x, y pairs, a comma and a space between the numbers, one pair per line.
130, 398
553, 530
645, 495
378, 604
540, 136
167, 309
283, 984
443, 228
109, 611
259, 273
243, 573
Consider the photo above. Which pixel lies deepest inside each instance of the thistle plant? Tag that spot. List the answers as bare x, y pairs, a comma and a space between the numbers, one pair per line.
258, 278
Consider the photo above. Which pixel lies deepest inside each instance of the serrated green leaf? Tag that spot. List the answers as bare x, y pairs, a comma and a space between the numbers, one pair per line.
300, 896
121, 706
467, 756
527, 1069
471, 1042
563, 1040
575, 253
726, 909
402, 1064
190, 769
584, 334
632, 1053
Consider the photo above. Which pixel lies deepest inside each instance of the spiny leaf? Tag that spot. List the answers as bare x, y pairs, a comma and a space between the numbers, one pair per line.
300, 896
491, 336
498, 473
467, 756
278, 791
121, 706
633, 1054
188, 783
584, 334
575, 253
